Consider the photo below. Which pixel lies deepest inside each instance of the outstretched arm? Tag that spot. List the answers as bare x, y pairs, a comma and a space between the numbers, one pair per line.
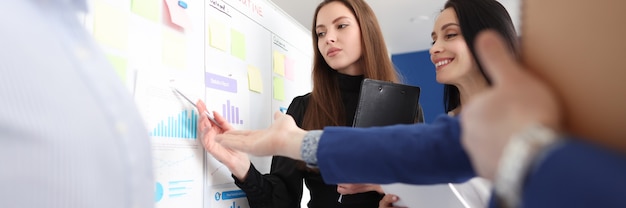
282, 138
418, 153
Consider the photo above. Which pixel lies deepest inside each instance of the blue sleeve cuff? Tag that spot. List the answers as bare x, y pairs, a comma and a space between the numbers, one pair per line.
309, 147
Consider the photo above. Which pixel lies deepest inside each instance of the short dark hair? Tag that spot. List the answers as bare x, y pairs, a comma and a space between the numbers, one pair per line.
475, 16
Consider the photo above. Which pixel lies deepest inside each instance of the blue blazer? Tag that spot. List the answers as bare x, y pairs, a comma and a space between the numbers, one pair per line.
414, 153
573, 173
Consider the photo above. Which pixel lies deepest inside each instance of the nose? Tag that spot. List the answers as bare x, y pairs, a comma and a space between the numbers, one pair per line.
330, 38
436, 48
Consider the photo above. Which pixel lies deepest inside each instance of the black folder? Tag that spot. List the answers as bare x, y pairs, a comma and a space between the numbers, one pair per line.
385, 103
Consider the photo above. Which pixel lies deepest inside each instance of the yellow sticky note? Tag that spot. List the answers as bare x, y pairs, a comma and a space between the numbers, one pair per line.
110, 26
279, 63
119, 64
238, 47
174, 49
218, 35
279, 88
255, 83
149, 9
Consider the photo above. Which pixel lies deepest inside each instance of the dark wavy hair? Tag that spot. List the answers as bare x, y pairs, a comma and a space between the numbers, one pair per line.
475, 16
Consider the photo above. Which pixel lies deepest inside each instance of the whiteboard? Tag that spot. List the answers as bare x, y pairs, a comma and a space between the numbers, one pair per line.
245, 58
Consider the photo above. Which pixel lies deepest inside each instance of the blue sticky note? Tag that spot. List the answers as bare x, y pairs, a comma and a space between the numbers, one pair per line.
182, 4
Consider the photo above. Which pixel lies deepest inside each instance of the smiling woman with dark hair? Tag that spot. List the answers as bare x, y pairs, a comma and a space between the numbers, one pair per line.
493, 16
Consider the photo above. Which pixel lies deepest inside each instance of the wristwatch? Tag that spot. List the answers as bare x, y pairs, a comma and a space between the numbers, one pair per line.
518, 156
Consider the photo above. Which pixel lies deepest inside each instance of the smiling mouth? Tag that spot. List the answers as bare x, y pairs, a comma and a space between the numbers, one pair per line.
443, 62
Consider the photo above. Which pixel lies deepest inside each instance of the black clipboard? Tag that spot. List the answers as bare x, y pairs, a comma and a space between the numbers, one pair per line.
385, 103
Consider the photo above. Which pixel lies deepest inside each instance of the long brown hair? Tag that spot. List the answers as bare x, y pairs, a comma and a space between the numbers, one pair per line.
325, 107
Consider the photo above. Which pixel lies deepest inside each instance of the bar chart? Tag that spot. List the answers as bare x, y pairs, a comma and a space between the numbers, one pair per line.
231, 113
183, 125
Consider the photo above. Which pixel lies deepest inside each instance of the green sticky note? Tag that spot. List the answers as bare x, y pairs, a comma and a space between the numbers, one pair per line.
119, 64
149, 9
279, 88
238, 45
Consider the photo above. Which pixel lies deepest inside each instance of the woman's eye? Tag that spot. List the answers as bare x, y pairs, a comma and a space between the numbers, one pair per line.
452, 35
321, 34
342, 26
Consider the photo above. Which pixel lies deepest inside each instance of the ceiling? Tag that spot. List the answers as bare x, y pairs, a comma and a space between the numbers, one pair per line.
406, 24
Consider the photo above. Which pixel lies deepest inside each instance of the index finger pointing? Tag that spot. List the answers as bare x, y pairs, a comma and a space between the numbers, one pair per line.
201, 107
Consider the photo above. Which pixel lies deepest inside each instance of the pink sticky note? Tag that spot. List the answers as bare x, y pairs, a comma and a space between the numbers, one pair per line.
289, 68
178, 15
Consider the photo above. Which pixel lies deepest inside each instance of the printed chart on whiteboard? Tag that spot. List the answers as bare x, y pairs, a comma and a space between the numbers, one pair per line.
244, 59
178, 157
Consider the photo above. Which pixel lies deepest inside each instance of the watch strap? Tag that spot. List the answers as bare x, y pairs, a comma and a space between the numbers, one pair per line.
517, 158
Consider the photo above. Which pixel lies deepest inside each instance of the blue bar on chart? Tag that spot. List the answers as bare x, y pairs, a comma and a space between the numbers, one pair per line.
183, 125
231, 113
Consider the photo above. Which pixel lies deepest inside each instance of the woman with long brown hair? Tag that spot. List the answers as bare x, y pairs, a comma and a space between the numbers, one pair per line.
350, 48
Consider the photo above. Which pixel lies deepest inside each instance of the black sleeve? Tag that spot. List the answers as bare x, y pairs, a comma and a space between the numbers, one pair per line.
260, 189
282, 187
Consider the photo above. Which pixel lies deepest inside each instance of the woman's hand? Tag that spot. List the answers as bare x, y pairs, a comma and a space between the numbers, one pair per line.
282, 138
388, 200
237, 162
